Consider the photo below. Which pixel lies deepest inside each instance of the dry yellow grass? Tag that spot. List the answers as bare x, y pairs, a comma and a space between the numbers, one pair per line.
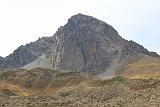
141, 67
24, 82
18, 91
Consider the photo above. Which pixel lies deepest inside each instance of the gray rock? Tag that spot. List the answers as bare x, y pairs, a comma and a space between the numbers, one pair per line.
1, 60
28, 53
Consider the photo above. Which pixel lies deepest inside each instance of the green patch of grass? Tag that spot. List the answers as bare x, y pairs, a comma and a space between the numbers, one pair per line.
98, 82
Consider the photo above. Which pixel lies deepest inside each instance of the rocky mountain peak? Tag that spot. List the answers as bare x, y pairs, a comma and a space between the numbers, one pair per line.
81, 20
90, 45
84, 19
84, 44
85, 25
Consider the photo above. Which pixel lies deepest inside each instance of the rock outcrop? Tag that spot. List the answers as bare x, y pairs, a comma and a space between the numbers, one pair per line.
1, 60
28, 53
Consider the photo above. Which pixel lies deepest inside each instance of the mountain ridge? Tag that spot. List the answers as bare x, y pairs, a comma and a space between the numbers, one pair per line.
83, 44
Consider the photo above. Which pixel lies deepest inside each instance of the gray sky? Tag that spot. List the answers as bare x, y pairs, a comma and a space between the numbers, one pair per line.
24, 21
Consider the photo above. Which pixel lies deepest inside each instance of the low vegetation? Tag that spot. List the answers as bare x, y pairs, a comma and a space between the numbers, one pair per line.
53, 88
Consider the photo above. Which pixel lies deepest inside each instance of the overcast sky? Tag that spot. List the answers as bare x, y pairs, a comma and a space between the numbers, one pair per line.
24, 21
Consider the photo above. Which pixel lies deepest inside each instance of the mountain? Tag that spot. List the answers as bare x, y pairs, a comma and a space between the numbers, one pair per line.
28, 53
83, 44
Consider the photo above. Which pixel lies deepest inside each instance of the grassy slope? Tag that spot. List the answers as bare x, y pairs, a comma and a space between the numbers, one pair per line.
40, 80
142, 66
11, 90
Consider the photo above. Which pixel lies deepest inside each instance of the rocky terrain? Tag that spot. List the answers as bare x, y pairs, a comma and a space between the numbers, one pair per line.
115, 92
83, 44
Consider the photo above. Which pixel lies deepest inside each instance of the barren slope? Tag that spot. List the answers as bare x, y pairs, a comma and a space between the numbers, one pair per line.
141, 66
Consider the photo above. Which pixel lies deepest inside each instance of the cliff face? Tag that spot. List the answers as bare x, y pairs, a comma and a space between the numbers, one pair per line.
83, 44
